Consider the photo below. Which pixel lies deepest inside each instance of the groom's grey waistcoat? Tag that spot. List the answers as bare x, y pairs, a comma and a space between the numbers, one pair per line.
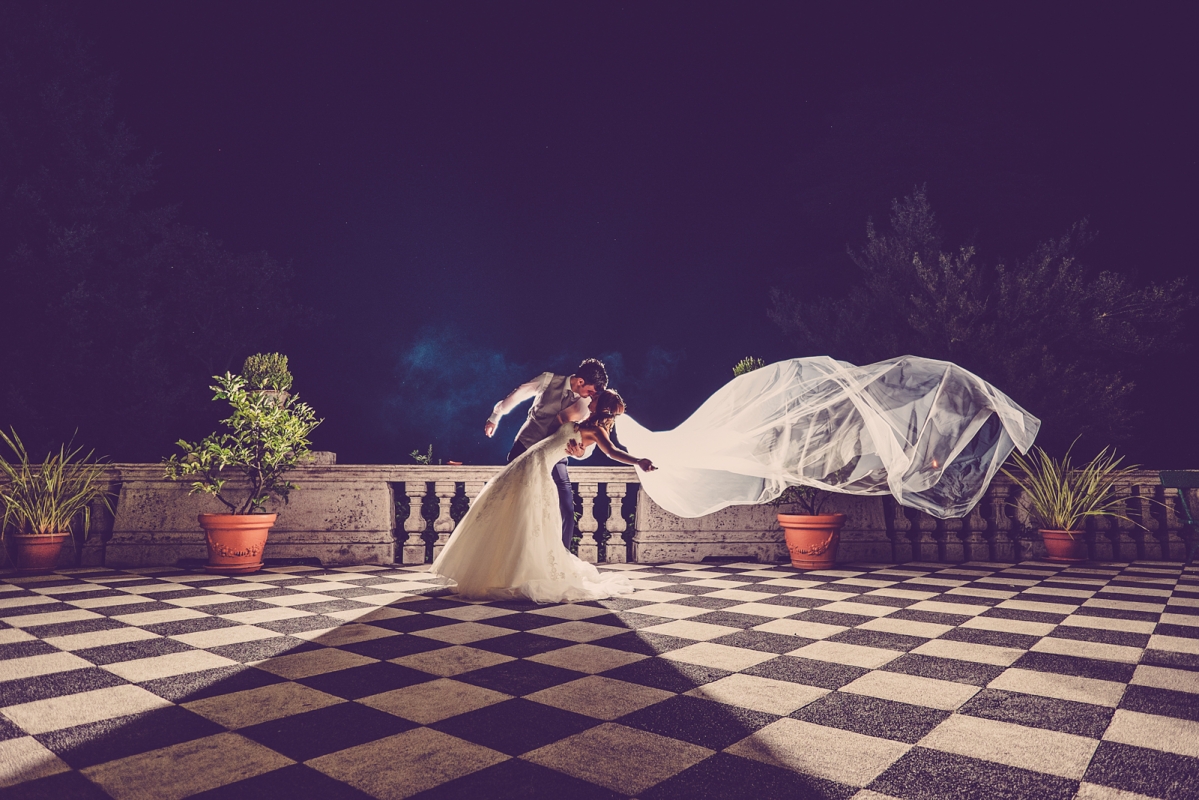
554, 396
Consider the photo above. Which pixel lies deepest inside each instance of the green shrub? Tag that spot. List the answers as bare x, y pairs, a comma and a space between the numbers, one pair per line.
267, 371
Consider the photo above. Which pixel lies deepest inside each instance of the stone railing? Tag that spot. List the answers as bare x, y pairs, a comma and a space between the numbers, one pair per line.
363, 514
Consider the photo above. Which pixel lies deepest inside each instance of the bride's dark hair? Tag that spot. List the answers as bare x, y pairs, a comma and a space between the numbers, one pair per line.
608, 405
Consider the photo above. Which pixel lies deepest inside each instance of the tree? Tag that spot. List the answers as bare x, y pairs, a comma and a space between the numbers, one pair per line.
115, 314
1062, 340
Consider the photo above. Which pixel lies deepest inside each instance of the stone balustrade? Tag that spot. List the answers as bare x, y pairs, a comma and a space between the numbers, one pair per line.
365, 514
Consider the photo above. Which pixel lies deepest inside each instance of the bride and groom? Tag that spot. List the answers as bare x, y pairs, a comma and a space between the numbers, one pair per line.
928, 433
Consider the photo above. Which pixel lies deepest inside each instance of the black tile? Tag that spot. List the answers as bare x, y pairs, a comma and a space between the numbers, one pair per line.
210, 683
1119, 613
515, 779
57, 684
872, 716
131, 651
326, 730
1166, 658
394, 646
516, 726
944, 669
1025, 615
9, 729
1079, 667
823, 674
25, 649
881, 639
1163, 702
316, 622
729, 777
527, 622
762, 641
703, 601
236, 607
412, 622
97, 742
366, 680
923, 774
55, 607
148, 606
521, 644
634, 620
884, 600
686, 588
934, 617
793, 602
731, 619
332, 606
262, 649
425, 604
644, 642
1080, 634
288, 783
518, 677
671, 676
63, 786
1017, 641
1142, 771
1034, 711
184, 626
703, 722
72, 628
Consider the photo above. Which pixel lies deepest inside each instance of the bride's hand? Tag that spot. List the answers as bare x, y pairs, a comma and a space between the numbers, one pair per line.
646, 465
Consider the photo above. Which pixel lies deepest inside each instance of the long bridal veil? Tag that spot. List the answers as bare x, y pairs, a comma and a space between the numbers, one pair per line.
927, 432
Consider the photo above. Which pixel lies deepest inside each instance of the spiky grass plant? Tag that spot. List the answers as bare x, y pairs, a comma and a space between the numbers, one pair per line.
747, 364
48, 498
1060, 496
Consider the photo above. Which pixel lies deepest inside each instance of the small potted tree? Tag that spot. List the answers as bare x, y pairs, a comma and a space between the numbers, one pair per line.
45, 503
811, 537
263, 439
267, 373
1056, 498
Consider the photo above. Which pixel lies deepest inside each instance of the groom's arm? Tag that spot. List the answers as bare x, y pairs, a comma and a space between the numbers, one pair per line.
515, 397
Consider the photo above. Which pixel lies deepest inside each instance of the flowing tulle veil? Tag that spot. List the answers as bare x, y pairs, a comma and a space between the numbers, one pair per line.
927, 432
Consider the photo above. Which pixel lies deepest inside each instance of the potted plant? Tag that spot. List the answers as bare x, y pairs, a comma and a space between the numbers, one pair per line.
811, 537
264, 437
1057, 497
267, 373
44, 503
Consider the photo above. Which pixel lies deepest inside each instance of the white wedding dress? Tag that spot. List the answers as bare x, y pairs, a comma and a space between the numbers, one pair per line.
509, 544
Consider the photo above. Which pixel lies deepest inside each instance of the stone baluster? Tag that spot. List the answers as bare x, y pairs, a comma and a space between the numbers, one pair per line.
974, 546
444, 524
588, 525
997, 522
615, 551
901, 545
925, 546
949, 546
1171, 521
414, 545
1128, 530
472, 489
1155, 545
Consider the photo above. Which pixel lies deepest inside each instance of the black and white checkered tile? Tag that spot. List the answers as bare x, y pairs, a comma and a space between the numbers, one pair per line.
711, 681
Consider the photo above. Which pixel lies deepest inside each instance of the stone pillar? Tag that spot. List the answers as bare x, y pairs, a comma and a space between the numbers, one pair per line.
1171, 521
900, 525
472, 489
974, 546
588, 546
414, 546
444, 524
615, 552
924, 546
950, 549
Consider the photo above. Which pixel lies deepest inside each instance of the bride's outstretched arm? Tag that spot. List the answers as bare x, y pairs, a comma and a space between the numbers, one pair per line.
600, 437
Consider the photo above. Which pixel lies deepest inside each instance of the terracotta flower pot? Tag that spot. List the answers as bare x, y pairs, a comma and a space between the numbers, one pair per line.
812, 541
1066, 546
36, 555
235, 541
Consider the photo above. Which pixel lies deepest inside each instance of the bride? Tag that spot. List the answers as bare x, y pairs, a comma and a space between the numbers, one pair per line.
509, 544
928, 433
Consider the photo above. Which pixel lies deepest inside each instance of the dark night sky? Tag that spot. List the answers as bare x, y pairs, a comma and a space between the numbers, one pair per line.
476, 192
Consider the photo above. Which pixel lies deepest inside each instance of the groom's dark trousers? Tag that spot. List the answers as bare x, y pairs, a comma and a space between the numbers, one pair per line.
566, 495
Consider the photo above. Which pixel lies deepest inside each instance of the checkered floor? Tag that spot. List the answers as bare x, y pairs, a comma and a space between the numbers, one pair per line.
712, 681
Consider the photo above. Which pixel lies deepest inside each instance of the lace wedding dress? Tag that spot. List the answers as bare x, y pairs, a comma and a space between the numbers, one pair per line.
509, 544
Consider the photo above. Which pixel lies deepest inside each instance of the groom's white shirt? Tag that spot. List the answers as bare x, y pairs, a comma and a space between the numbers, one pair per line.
552, 395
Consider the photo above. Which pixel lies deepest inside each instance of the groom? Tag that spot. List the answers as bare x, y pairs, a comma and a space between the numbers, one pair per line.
551, 395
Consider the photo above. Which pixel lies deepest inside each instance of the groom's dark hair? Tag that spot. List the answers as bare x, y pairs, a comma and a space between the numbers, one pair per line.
592, 372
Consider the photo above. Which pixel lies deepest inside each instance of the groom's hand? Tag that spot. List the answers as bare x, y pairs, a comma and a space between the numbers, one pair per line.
575, 449
488, 428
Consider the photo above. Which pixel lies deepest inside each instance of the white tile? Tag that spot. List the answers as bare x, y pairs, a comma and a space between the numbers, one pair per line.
798, 627
1061, 754
821, 594
764, 610
51, 618
1010, 626
831, 753
302, 599
1137, 590
218, 637
25, 601
262, 704
148, 669
266, 615
109, 602
10, 635
906, 627
970, 591
1174, 644
1044, 608
1176, 680
669, 611
1124, 605
1059, 592
1062, 687
56, 713
568, 611
45, 664
860, 609
295, 666
903, 594
687, 629
579, 631
969, 651
1190, 620
719, 656
201, 600
938, 607
25, 759
1094, 791
760, 694
156, 617
912, 689
110, 636
743, 595
1108, 624
1180, 736
852, 654
1097, 650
